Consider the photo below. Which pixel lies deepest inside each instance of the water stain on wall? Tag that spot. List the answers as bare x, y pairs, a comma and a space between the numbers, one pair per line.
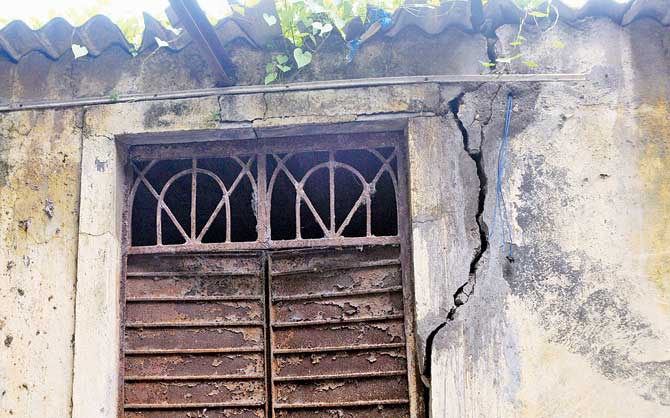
654, 173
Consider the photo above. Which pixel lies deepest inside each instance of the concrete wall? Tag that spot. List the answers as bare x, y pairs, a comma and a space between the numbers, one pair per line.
578, 325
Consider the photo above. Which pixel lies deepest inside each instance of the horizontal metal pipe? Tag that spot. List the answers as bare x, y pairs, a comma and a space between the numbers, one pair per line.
304, 86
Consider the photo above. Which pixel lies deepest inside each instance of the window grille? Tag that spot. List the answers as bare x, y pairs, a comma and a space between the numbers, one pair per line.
270, 196
267, 279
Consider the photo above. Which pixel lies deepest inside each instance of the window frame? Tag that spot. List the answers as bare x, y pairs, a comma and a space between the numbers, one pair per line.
179, 148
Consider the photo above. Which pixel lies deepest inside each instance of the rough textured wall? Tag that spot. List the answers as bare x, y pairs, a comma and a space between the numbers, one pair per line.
578, 324
39, 201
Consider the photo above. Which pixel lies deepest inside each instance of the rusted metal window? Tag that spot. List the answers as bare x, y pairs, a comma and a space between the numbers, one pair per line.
338, 334
194, 336
267, 279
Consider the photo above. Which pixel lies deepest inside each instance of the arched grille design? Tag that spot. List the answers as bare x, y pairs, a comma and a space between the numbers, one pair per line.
194, 236
248, 196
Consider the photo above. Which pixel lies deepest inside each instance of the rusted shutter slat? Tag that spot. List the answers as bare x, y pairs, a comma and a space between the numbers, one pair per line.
212, 412
335, 349
337, 330
193, 299
332, 295
223, 350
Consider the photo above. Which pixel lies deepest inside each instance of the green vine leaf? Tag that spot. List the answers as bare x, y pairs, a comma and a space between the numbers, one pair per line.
535, 13
284, 68
281, 59
271, 20
531, 64
270, 78
302, 58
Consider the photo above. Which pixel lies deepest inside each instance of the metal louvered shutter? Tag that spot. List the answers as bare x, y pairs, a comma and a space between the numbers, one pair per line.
194, 339
338, 343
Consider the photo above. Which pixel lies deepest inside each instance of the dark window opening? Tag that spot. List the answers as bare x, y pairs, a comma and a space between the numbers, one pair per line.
360, 178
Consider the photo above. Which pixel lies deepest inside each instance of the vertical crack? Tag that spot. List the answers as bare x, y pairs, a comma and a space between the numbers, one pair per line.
463, 293
476, 156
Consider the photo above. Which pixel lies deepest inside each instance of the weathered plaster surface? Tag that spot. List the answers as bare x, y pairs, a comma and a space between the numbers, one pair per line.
578, 324
95, 389
39, 201
443, 190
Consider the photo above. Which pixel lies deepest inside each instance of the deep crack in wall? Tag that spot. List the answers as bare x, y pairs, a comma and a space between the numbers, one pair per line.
467, 289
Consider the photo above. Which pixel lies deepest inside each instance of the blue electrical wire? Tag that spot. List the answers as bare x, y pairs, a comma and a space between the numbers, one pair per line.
500, 209
380, 16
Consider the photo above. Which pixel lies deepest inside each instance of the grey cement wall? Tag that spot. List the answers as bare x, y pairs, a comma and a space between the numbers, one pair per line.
577, 325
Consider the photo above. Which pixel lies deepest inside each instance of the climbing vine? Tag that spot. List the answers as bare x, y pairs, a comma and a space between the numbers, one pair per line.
306, 24
538, 13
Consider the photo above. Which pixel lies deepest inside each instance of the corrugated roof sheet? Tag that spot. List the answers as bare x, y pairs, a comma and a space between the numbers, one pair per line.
99, 33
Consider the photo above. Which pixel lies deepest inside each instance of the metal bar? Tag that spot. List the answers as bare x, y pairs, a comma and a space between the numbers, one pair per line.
350, 266
207, 324
334, 349
290, 87
157, 351
182, 378
297, 324
305, 143
330, 295
364, 196
187, 299
163, 206
185, 273
193, 19
331, 190
404, 230
193, 405
231, 246
215, 213
194, 194
368, 375
267, 337
261, 200
341, 404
